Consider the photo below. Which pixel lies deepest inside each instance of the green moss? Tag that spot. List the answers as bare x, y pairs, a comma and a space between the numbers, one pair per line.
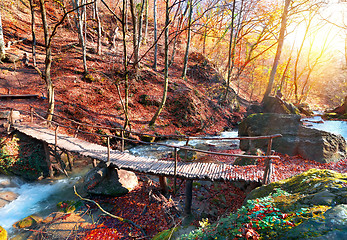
313, 180
28, 222
165, 235
147, 138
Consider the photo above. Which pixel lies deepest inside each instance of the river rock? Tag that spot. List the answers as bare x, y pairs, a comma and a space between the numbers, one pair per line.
3, 234
28, 222
275, 105
6, 183
6, 114
11, 58
103, 180
296, 139
186, 155
7, 197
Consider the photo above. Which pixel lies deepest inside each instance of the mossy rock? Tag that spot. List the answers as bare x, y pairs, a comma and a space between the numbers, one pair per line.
241, 161
89, 78
28, 222
3, 234
330, 115
312, 183
191, 155
147, 138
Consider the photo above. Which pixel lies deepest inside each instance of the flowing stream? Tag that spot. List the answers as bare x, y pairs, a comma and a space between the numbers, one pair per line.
41, 197
337, 127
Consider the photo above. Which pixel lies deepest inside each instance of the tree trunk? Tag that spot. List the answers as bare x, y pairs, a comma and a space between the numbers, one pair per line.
166, 69
146, 22
230, 52
79, 24
2, 42
155, 34
135, 36
279, 48
185, 63
139, 40
32, 9
48, 63
125, 64
97, 16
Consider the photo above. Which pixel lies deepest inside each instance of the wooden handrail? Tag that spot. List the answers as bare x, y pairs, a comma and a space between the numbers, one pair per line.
163, 144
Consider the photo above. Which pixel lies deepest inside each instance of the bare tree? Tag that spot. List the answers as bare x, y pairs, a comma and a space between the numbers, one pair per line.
166, 63
279, 48
98, 22
185, 61
2, 42
33, 49
155, 34
79, 24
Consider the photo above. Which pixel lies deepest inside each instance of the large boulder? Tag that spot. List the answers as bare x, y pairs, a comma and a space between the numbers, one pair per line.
105, 180
296, 139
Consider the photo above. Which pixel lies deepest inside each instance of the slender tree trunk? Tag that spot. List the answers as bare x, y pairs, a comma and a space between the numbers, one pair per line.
97, 17
135, 36
279, 49
139, 41
2, 42
155, 34
230, 51
79, 23
33, 48
146, 23
185, 63
125, 64
166, 69
84, 18
48, 63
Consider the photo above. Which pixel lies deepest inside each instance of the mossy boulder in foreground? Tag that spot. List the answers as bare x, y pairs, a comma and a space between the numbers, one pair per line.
311, 205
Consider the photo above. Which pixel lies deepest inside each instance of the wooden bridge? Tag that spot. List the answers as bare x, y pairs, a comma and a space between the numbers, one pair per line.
123, 160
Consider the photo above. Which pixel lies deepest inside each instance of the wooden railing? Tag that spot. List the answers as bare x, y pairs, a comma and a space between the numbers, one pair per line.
268, 157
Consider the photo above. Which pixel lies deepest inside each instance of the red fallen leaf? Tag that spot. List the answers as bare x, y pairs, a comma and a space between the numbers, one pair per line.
251, 234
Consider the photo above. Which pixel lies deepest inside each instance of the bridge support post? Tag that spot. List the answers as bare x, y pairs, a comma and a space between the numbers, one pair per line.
175, 171
189, 197
163, 184
48, 159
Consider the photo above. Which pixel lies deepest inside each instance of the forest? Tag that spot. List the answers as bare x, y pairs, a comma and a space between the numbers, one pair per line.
178, 68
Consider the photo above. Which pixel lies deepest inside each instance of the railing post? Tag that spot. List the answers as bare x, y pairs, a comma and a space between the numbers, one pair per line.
175, 170
31, 114
56, 140
268, 164
108, 149
78, 128
186, 153
269, 146
122, 141
10, 120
